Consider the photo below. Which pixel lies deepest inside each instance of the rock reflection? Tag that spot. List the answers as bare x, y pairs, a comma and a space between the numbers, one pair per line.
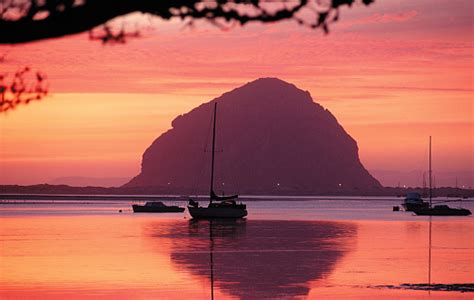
254, 259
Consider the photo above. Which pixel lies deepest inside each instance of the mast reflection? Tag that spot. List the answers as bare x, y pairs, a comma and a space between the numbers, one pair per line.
252, 259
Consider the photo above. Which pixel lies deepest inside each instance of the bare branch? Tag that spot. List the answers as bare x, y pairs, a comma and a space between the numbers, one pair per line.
21, 88
23, 21
107, 35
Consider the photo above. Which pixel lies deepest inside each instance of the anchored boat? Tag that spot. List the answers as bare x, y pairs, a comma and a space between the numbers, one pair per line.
413, 201
442, 210
219, 206
156, 207
439, 210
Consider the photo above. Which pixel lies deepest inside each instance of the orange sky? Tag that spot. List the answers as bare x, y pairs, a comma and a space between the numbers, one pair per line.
392, 74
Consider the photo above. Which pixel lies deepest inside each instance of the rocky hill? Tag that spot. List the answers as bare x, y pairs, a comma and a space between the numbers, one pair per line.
271, 137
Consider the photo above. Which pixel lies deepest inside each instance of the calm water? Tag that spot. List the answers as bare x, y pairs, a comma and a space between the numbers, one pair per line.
285, 249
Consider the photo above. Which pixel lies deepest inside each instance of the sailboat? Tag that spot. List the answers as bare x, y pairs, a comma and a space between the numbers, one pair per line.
438, 210
219, 206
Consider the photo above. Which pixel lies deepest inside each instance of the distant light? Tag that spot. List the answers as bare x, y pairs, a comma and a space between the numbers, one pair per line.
169, 183
340, 184
404, 186
223, 183
278, 184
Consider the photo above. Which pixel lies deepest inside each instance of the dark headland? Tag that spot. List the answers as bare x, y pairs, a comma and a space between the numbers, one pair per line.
273, 137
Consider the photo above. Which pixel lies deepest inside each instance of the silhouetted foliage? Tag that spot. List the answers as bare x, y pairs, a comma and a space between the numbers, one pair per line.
109, 36
22, 87
24, 21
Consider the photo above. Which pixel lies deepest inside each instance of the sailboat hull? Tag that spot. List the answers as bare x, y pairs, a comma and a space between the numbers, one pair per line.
442, 211
217, 212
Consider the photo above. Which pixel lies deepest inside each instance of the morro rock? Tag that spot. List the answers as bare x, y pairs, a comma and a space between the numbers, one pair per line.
271, 139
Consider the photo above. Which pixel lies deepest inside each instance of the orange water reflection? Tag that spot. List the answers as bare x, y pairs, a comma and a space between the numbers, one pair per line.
258, 259
397, 252
130, 256
86, 255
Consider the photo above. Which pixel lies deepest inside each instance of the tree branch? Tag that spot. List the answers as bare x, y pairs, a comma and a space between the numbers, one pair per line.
24, 21
22, 88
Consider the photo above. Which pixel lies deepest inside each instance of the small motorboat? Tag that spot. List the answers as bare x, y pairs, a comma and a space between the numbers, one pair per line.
442, 210
156, 207
414, 201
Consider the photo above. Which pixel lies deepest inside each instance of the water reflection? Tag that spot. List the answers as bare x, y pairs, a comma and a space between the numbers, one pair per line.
252, 259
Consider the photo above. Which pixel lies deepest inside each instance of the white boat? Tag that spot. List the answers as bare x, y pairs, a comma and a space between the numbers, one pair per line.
219, 207
414, 201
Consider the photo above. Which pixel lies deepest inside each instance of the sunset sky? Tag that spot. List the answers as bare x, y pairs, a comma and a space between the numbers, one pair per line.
392, 74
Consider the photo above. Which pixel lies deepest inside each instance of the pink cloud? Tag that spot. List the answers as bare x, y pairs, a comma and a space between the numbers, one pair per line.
385, 18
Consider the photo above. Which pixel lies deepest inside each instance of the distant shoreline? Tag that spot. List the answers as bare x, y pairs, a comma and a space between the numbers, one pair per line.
43, 191
12, 199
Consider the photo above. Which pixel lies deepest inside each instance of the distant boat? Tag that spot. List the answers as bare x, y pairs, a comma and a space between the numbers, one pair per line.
156, 207
414, 201
439, 210
225, 206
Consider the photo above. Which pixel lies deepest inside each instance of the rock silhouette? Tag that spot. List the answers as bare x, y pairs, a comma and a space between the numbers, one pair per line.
274, 139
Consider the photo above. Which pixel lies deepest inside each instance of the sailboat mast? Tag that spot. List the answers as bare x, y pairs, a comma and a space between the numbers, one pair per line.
431, 195
213, 152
